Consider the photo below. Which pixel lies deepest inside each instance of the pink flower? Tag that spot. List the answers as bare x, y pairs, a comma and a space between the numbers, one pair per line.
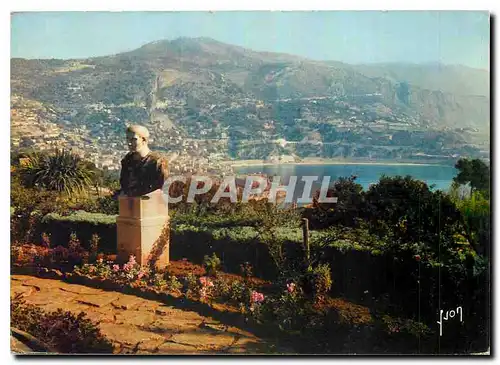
290, 287
206, 282
256, 297
141, 274
116, 268
131, 260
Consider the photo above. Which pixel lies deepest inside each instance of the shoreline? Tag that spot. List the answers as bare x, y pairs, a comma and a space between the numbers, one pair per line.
250, 163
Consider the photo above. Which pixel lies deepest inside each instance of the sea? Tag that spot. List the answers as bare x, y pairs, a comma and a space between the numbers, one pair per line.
438, 177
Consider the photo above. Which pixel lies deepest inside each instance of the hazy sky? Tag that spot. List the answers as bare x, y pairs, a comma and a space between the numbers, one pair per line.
449, 37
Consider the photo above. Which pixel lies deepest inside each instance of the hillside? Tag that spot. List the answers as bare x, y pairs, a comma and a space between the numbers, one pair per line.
453, 79
203, 89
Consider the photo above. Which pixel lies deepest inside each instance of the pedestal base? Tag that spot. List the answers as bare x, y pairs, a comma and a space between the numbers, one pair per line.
143, 230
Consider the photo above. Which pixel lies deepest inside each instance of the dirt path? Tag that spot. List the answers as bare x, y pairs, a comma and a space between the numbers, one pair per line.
139, 326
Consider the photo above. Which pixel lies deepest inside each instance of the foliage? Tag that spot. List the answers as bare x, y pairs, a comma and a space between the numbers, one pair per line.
238, 292
475, 210
348, 238
76, 252
346, 211
158, 281
94, 246
408, 211
191, 285
64, 331
475, 173
62, 172
214, 220
173, 283
28, 207
317, 281
289, 309
82, 216
211, 264
246, 271
107, 205
275, 222
222, 288
400, 325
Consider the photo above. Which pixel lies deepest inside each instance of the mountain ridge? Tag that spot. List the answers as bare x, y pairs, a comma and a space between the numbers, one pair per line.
200, 84
209, 39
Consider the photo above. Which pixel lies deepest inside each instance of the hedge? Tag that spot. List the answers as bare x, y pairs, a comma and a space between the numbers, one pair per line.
84, 224
234, 245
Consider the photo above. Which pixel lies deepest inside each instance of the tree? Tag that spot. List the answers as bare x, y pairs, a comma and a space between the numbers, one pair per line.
475, 173
412, 211
346, 211
476, 214
62, 171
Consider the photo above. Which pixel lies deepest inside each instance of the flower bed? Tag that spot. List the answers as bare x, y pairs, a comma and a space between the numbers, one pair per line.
312, 320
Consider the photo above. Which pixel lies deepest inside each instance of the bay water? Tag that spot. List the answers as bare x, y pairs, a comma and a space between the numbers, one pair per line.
436, 176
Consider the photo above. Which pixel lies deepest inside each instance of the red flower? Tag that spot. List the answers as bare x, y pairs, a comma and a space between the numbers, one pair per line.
417, 257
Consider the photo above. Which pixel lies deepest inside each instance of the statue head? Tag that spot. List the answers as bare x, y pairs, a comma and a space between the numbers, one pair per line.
137, 137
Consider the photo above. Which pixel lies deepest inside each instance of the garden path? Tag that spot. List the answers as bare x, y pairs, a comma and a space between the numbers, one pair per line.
139, 326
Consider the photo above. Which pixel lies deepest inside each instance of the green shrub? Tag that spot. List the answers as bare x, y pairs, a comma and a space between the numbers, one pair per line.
222, 288
108, 205
238, 292
94, 246
246, 271
191, 285
158, 281
318, 281
211, 264
173, 284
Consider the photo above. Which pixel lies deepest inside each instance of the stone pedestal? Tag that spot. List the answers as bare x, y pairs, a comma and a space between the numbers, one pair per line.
143, 229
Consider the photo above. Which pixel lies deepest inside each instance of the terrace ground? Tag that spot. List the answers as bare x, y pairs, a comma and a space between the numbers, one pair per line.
139, 326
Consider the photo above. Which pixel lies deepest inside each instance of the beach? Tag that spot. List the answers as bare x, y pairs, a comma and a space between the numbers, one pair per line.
326, 161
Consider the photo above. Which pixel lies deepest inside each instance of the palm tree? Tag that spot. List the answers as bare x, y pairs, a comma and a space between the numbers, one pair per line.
62, 171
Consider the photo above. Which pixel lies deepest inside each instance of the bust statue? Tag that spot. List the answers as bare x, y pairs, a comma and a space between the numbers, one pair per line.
143, 171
